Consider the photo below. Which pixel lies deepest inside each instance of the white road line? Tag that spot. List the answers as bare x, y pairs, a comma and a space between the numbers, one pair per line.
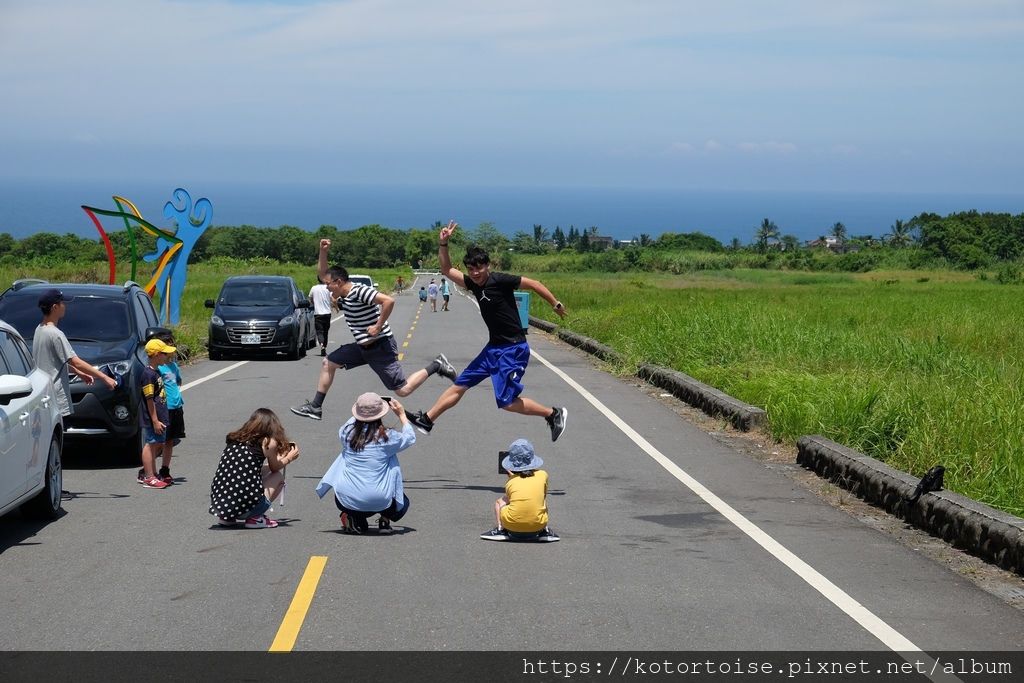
875, 626
218, 373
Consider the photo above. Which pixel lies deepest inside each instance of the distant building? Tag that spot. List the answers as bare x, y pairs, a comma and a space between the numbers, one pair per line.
824, 242
602, 240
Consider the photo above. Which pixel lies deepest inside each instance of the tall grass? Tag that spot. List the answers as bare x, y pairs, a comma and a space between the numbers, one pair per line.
912, 371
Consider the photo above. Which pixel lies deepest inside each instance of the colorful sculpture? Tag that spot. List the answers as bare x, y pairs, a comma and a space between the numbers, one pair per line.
172, 248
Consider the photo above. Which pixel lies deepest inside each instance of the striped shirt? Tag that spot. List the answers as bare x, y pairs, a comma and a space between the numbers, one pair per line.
360, 312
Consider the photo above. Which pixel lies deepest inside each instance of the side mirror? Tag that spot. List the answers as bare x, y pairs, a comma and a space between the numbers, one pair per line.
209, 303
157, 332
14, 386
303, 304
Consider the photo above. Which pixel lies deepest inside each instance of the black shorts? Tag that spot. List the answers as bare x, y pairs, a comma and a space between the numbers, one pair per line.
175, 423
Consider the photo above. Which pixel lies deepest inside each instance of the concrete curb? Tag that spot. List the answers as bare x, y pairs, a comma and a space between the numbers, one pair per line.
995, 536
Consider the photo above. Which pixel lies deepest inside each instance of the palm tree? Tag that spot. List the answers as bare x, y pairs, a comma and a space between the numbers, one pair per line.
899, 234
767, 232
839, 232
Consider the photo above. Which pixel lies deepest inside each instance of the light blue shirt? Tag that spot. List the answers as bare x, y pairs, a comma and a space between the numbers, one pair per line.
171, 375
368, 480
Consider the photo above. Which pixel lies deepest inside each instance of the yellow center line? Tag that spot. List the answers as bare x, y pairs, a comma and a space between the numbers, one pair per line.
284, 641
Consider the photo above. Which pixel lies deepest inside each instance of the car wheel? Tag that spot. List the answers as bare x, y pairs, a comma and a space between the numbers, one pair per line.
293, 352
46, 505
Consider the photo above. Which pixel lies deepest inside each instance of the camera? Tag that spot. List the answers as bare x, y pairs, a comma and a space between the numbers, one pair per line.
386, 399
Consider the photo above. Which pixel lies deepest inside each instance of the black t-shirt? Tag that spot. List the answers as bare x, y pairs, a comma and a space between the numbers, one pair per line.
497, 301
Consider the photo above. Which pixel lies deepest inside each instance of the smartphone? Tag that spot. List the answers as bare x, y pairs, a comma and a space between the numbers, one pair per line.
291, 445
501, 456
386, 399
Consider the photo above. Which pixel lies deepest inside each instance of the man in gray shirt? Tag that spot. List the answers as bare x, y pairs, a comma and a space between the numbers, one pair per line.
52, 351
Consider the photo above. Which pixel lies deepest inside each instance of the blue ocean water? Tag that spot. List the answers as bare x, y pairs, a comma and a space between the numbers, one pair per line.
27, 207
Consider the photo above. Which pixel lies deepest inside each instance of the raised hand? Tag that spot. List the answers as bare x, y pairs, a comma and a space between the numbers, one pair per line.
446, 232
325, 244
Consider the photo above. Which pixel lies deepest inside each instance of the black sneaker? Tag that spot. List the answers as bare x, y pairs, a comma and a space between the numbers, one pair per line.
420, 421
323, 351
495, 534
447, 370
165, 476
548, 536
383, 525
309, 410
557, 422
142, 475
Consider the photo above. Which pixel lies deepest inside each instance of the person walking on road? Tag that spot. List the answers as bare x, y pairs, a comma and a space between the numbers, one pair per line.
506, 355
445, 293
250, 474
321, 298
366, 311
432, 295
366, 476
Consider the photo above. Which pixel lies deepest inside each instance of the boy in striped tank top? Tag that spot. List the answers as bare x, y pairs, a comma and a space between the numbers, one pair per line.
366, 311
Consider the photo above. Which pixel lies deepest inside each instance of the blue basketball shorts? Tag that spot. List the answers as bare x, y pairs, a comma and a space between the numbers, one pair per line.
505, 365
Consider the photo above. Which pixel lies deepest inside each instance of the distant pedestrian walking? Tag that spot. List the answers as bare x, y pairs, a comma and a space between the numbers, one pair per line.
432, 295
445, 294
322, 310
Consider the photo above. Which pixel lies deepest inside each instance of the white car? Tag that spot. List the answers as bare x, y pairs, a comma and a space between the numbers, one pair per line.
363, 280
31, 433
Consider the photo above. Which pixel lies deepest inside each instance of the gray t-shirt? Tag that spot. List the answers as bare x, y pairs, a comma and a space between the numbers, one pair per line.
52, 352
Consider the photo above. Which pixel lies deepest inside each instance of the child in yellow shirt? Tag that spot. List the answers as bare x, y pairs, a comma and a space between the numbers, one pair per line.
522, 513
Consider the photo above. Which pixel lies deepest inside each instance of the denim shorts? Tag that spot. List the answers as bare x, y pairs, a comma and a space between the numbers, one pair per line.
152, 437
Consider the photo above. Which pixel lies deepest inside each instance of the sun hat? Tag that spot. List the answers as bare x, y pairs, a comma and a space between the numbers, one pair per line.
521, 457
155, 346
369, 407
52, 296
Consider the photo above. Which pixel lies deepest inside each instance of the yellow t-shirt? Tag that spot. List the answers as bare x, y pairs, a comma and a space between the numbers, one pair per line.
527, 509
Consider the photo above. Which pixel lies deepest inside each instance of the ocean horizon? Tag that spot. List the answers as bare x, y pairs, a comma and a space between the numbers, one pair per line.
31, 206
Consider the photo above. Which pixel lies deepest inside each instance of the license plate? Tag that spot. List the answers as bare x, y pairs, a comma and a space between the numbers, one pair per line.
250, 339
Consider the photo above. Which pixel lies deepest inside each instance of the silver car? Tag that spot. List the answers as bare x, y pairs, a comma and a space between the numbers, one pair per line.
31, 435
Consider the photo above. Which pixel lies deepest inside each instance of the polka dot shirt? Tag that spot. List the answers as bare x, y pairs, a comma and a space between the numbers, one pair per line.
238, 484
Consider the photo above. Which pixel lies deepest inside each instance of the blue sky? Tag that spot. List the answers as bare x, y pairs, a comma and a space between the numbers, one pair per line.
911, 96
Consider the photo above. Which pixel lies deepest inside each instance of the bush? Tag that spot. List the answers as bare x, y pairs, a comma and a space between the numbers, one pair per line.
1009, 274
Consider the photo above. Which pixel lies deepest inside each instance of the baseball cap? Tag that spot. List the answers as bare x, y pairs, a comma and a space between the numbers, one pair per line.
155, 346
52, 296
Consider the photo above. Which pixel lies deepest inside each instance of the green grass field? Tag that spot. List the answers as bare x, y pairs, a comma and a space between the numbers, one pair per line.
914, 368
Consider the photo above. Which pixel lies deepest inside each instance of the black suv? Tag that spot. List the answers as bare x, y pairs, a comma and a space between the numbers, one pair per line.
261, 313
107, 326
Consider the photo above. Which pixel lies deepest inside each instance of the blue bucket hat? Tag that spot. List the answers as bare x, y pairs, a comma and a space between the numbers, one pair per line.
521, 457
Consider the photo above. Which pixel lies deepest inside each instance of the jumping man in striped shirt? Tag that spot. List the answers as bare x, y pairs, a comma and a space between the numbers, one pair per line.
366, 312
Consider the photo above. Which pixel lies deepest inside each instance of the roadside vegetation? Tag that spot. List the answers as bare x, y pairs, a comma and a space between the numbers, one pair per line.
907, 346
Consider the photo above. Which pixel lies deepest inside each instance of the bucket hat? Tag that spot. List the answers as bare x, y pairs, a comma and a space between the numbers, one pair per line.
369, 407
521, 457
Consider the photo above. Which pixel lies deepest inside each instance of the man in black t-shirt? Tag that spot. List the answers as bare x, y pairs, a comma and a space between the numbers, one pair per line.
506, 355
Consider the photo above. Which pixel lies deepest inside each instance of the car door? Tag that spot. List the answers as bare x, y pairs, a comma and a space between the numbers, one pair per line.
22, 455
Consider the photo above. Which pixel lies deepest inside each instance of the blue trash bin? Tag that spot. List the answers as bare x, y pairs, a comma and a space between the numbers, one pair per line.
523, 302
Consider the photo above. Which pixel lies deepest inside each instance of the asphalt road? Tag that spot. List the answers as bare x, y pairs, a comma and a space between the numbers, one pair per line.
670, 539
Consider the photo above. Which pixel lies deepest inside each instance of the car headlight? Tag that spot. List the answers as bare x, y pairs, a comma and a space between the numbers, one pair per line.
215, 320
120, 368
287, 320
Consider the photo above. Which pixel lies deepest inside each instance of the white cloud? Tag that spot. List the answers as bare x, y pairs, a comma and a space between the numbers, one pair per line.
770, 147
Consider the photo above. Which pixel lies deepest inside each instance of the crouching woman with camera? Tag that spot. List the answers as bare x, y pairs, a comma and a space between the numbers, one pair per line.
250, 474
366, 476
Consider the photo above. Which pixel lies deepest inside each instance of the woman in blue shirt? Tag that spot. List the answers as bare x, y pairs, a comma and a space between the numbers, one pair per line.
366, 476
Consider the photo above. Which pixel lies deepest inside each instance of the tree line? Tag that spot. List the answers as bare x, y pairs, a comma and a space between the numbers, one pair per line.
967, 240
